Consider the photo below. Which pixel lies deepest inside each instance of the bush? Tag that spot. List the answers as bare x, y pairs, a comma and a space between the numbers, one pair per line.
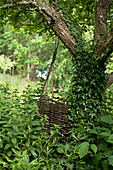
23, 142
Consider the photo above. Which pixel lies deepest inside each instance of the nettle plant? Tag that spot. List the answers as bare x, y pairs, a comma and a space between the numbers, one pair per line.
24, 143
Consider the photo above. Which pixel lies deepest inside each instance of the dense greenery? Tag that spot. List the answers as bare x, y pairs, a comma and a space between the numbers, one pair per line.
23, 142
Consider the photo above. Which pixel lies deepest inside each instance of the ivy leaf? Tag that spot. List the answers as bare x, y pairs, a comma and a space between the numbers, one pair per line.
83, 149
94, 148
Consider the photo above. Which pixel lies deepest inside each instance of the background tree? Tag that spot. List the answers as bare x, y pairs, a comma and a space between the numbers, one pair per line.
18, 44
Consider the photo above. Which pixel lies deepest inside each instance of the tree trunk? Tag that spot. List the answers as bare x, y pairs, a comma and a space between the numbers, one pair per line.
4, 72
101, 10
33, 72
28, 66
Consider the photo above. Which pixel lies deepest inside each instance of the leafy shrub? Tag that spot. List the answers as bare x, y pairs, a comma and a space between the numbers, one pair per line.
96, 144
24, 143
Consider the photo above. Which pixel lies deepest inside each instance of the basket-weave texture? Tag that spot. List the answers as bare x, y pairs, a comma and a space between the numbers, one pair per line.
56, 112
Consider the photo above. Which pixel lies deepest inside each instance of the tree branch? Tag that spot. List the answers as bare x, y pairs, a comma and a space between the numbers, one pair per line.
14, 5
54, 20
110, 80
60, 28
106, 42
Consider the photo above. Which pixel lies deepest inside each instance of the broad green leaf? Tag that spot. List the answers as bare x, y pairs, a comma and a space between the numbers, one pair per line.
24, 153
9, 153
27, 143
7, 146
14, 140
108, 152
67, 146
104, 134
60, 150
34, 153
47, 1
110, 159
1, 145
83, 149
1, 161
105, 164
110, 139
15, 127
93, 131
94, 148
107, 119
18, 153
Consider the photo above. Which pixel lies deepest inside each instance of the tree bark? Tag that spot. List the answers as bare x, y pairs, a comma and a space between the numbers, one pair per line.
104, 38
101, 10
106, 42
110, 80
60, 28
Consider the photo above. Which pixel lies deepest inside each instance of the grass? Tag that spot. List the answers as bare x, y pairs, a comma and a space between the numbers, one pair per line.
15, 82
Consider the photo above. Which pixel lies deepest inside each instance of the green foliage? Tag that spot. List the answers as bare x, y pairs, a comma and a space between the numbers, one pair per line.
87, 90
23, 142
15, 82
91, 137
36, 52
22, 48
5, 63
104, 143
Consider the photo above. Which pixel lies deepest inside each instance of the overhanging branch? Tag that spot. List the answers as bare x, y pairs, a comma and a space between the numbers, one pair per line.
54, 20
7, 6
